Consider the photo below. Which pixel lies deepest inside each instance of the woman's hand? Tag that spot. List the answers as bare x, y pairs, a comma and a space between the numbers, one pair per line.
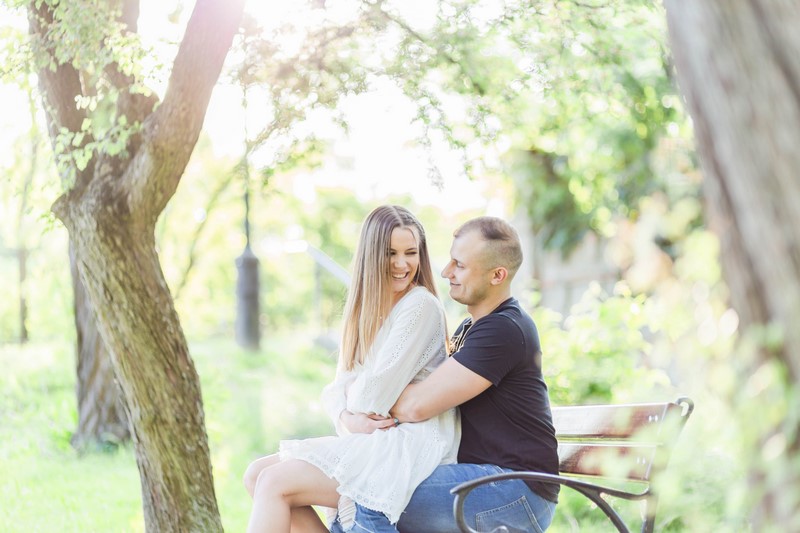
363, 423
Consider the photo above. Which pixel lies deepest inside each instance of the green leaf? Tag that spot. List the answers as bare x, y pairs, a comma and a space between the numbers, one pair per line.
82, 157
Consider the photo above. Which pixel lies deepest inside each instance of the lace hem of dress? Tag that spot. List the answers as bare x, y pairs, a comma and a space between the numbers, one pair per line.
329, 469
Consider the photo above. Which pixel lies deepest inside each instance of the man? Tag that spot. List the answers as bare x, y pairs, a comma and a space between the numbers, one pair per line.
495, 376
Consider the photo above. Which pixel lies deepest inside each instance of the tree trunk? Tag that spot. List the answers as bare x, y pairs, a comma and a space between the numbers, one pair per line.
22, 242
110, 212
137, 320
102, 418
738, 64
22, 263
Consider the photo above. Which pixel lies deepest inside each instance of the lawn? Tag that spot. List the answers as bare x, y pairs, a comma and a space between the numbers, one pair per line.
251, 401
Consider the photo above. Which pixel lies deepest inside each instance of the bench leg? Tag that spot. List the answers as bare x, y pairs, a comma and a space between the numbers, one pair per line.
605, 507
650, 505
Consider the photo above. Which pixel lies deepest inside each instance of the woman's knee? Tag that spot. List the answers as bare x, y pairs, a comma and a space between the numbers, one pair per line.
270, 482
297, 483
251, 476
254, 469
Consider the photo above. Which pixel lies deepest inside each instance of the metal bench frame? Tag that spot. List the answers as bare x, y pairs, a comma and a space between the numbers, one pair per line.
643, 433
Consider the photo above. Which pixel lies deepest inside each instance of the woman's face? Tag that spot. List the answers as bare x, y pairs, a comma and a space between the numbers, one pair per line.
403, 260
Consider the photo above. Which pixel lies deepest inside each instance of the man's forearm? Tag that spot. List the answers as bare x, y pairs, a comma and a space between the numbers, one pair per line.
408, 407
448, 386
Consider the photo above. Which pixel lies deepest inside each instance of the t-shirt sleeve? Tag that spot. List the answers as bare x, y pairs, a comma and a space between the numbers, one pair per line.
493, 347
416, 335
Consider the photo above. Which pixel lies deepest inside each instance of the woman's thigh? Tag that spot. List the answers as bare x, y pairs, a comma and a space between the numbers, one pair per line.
510, 503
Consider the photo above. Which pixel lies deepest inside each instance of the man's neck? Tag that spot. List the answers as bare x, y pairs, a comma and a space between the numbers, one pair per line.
487, 305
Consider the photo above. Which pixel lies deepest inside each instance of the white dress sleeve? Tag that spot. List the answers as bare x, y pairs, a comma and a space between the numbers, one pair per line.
407, 342
334, 397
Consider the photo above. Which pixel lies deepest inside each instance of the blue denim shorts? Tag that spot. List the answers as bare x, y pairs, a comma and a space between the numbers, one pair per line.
505, 503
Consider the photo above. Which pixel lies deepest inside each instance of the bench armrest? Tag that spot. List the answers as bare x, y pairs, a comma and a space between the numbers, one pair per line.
591, 490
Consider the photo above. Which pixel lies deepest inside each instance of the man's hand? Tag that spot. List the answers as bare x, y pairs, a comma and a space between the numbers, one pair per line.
363, 423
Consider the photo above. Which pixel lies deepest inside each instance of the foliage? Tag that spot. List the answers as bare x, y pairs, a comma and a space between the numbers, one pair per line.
28, 232
527, 78
287, 83
574, 101
600, 346
14, 55
94, 39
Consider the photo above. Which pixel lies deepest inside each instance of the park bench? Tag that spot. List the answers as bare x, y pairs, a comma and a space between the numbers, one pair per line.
605, 450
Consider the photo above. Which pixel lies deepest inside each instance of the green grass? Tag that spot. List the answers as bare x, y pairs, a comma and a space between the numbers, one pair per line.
251, 401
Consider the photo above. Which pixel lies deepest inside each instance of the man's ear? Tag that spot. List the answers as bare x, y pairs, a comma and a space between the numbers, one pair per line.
499, 275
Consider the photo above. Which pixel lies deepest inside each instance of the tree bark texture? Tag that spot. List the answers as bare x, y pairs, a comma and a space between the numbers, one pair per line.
738, 64
102, 417
110, 213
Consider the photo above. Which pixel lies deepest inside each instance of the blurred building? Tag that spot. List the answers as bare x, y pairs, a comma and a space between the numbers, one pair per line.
561, 281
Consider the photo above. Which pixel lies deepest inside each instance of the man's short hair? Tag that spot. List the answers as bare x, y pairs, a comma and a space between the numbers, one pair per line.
502, 242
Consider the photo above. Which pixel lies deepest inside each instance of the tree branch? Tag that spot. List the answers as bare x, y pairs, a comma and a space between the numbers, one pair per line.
195, 239
59, 84
134, 106
171, 132
475, 84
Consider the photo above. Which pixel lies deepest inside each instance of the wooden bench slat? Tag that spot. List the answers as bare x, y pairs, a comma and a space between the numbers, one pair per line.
610, 421
620, 461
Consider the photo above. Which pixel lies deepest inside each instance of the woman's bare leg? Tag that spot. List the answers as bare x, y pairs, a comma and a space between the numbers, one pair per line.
286, 486
303, 519
255, 468
306, 520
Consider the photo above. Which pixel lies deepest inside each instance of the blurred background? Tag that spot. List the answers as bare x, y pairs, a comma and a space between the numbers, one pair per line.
562, 117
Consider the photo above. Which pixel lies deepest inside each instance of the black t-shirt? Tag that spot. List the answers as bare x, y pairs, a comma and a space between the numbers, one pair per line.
510, 423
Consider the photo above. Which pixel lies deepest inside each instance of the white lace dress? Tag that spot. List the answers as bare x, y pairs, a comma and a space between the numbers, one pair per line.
380, 470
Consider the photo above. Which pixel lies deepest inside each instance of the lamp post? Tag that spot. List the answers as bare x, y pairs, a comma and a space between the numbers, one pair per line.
247, 325
248, 328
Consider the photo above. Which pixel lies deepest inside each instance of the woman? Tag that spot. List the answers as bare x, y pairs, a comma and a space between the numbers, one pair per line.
394, 334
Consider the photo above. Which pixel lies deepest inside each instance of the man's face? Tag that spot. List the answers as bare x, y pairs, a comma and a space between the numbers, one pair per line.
467, 272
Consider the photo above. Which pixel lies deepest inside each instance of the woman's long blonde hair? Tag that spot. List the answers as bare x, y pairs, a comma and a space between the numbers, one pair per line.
369, 299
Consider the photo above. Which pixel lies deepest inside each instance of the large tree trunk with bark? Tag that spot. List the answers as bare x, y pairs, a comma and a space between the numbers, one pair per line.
110, 213
120, 267
738, 64
102, 418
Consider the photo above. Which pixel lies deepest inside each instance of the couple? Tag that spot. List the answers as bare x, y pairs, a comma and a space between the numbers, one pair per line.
395, 395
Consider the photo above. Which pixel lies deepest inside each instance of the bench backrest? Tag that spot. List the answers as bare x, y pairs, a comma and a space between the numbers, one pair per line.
626, 441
